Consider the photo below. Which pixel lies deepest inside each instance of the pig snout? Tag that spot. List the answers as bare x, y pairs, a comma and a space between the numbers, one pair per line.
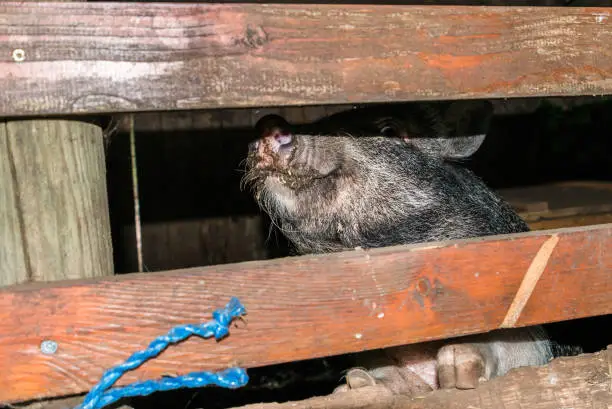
272, 150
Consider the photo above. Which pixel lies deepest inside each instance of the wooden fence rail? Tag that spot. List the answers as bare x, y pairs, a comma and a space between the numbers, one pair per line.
66, 58
300, 307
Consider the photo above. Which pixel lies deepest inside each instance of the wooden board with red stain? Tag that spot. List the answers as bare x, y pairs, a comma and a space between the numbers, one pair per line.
298, 307
66, 58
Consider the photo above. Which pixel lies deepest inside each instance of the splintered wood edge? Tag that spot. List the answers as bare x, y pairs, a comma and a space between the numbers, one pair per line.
139, 57
585, 381
300, 307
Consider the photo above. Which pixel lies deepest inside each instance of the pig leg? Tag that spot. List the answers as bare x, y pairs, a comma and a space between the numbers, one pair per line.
463, 365
399, 380
406, 370
418, 368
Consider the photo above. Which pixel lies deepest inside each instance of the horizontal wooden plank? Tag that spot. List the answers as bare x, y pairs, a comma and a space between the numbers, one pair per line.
298, 308
65, 58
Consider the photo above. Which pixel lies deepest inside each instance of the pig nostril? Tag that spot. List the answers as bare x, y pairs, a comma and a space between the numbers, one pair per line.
283, 139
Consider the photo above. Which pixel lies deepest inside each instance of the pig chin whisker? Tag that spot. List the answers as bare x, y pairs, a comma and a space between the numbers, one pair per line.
246, 180
253, 177
270, 205
243, 163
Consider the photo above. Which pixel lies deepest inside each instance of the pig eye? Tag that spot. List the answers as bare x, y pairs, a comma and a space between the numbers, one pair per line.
389, 131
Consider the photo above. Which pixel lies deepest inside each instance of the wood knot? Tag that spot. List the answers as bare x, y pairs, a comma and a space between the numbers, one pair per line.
254, 37
426, 289
423, 286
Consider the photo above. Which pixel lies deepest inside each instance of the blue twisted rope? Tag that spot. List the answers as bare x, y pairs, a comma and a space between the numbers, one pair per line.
99, 397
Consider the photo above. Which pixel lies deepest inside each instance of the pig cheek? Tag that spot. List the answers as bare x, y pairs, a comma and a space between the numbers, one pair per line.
324, 163
284, 158
284, 197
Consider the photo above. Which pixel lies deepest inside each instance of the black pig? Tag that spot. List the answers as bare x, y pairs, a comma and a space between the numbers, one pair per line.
388, 175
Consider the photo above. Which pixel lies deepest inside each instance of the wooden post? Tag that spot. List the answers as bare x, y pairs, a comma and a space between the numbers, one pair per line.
54, 210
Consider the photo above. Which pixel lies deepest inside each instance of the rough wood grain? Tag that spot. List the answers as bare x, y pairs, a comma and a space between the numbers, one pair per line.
55, 220
581, 382
114, 57
298, 308
12, 257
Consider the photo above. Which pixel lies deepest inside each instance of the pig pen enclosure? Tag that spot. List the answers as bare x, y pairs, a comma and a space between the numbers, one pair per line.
122, 143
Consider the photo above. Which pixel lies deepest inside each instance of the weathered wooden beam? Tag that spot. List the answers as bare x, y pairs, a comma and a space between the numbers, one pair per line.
300, 307
64, 58
580, 382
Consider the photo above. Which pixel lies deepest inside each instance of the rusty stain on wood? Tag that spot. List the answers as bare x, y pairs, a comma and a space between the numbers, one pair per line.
124, 57
298, 307
454, 62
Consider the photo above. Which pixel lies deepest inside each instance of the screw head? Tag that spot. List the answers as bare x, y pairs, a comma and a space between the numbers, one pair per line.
48, 347
18, 55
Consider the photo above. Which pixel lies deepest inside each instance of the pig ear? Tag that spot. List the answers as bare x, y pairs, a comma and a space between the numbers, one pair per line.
272, 124
467, 123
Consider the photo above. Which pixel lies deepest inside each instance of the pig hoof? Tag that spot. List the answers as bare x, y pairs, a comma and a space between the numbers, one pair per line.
460, 366
356, 378
399, 381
